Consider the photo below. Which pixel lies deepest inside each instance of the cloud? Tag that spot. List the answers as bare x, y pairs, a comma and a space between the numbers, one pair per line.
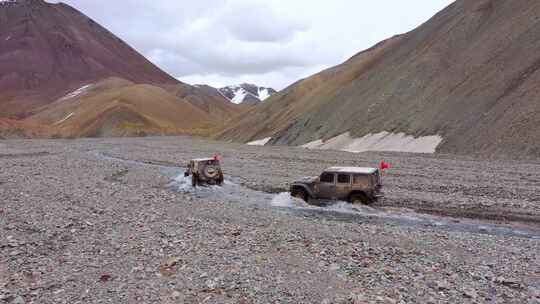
272, 42
259, 23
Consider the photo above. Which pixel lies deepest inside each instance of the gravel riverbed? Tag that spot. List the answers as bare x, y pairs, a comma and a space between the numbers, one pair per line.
112, 221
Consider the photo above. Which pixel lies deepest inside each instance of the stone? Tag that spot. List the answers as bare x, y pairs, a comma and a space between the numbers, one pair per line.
176, 295
470, 293
442, 285
18, 300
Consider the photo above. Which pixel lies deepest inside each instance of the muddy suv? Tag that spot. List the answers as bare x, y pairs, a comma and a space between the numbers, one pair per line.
352, 184
205, 171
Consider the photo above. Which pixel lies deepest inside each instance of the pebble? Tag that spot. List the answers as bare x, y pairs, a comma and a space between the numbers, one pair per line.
156, 244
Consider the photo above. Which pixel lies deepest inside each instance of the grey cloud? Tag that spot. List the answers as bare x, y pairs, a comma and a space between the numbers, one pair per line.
263, 39
259, 23
233, 37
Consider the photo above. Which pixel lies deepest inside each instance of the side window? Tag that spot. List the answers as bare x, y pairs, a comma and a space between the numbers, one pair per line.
344, 179
360, 179
327, 178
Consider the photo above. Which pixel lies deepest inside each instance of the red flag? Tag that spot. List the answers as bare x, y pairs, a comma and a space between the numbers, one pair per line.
216, 157
384, 165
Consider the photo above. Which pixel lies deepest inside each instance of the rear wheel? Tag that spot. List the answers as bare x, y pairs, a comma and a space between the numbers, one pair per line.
220, 180
300, 194
359, 199
194, 180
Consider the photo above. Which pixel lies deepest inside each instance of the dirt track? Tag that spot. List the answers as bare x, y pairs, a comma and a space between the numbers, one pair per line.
92, 221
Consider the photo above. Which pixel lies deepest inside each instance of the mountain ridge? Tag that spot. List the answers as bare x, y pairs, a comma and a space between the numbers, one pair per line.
467, 75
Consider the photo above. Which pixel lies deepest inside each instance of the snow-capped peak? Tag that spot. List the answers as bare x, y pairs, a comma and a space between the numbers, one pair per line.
246, 93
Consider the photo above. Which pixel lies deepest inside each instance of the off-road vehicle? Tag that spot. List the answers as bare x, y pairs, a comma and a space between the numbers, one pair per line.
205, 171
352, 184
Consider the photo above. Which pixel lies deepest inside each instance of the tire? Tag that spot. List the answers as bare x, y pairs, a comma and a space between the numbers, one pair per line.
359, 199
300, 194
194, 181
220, 180
210, 172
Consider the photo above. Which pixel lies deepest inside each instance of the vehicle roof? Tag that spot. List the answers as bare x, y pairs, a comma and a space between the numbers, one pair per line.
359, 170
203, 159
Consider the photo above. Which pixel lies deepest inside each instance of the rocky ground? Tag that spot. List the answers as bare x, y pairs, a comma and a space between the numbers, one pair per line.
103, 221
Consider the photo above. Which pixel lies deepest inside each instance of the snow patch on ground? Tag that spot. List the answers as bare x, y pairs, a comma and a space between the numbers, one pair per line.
77, 92
239, 96
64, 119
383, 141
263, 94
314, 144
260, 142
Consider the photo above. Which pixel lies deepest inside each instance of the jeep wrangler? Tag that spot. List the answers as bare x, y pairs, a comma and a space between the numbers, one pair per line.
205, 171
352, 184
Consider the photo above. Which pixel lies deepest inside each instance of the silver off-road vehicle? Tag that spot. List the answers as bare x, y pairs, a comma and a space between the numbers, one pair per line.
205, 171
352, 184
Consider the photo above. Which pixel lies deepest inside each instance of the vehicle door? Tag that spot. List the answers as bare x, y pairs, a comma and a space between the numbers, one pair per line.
361, 182
343, 186
327, 186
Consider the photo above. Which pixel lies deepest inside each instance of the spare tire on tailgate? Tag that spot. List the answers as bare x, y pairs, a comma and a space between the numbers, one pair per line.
211, 172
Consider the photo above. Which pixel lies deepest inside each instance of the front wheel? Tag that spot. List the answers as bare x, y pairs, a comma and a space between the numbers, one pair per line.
300, 194
359, 199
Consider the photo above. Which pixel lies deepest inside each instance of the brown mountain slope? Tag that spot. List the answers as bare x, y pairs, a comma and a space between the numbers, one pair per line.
470, 75
13, 129
47, 50
117, 107
207, 99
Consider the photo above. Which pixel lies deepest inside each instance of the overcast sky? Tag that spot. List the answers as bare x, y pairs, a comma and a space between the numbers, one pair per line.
267, 42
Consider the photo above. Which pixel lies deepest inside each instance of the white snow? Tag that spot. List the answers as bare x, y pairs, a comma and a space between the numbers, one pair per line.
314, 144
240, 93
8, 37
65, 118
263, 94
383, 141
7, 1
77, 92
239, 96
260, 142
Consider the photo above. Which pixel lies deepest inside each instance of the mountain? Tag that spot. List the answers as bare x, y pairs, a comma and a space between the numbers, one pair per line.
246, 94
49, 49
14, 129
464, 82
118, 107
208, 99
63, 73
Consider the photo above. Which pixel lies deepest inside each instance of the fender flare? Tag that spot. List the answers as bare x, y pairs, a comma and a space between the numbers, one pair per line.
360, 192
305, 188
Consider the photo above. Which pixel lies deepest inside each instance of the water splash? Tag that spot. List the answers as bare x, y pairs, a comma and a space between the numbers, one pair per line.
285, 200
182, 183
